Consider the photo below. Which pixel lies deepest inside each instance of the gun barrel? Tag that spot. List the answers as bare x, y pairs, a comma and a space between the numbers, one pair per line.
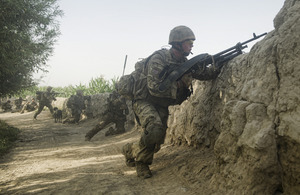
240, 44
205, 59
254, 38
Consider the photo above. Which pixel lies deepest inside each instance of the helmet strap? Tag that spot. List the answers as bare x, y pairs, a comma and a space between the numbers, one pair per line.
178, 47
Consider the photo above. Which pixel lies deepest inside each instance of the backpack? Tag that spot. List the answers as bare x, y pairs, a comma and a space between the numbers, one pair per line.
125, 86
134, 85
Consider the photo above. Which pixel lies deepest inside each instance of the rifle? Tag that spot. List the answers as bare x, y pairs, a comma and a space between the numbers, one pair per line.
39, 94
201, 60
53, 93
56, 93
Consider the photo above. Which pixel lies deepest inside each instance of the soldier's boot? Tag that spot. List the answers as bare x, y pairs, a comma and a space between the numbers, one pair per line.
34, 116
126, 151
112, 131
143, 170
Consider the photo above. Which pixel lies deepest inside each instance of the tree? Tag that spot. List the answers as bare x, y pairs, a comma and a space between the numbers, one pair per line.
28, 32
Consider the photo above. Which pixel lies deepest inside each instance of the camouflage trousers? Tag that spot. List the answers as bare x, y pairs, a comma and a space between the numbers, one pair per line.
76, 113
75, 116
153, 120
105, 121
41, 107
27, 107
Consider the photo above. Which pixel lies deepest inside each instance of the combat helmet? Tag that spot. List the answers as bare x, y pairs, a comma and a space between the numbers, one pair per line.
49, 88
180, 34
79, 92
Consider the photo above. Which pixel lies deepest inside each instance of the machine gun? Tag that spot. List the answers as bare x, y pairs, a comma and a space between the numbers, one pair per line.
39, 94
201, 60
52, 92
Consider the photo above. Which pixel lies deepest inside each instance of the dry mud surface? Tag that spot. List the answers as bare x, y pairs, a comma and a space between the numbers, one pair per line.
53, 158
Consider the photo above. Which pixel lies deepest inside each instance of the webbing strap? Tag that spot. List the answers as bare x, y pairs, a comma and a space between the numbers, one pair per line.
180, 71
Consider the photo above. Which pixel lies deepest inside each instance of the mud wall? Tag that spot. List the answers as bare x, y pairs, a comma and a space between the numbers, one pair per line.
250, 114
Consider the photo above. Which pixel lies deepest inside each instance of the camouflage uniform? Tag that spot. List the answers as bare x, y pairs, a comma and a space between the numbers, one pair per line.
29, 106
115, 114
151, 108
18, 103
6, 106
46, 99
76, 103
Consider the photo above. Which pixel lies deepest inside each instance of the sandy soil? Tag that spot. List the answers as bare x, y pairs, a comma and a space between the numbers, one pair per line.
53, 158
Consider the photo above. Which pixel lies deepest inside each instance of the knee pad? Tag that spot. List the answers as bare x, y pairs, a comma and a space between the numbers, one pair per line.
153, 135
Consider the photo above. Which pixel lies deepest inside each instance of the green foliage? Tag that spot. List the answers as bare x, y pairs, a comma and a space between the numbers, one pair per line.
8, 135
99, 85
27, 35
95, 86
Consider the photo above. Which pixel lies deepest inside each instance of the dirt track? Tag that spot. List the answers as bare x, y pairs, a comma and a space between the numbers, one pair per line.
53, 158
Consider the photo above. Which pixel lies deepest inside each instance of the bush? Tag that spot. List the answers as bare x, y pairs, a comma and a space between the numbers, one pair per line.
95, 86
8, 135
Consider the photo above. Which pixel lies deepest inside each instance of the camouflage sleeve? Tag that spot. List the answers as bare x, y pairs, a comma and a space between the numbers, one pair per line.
206, 73
52, 97
121, 104
48, 97
156, 67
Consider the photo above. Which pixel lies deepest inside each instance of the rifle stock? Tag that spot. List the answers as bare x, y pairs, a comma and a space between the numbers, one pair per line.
205, 59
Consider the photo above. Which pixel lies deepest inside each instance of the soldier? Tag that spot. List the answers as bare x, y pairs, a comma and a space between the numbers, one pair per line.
45, 99
151, 108
76, 103
18, 103
29, 106
6, 106
115, 114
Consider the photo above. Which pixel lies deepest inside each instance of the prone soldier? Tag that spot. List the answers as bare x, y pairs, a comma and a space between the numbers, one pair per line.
115, 114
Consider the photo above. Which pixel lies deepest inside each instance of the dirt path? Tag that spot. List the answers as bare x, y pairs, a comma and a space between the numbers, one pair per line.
53, 158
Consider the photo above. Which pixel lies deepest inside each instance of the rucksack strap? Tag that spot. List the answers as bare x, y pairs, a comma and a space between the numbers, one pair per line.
180, 71
148, 59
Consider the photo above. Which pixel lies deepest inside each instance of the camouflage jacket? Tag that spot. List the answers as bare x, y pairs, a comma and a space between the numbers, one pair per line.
6, 106
117, 105
159, 67
47, 97
18, 102
33, 104
76, 102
